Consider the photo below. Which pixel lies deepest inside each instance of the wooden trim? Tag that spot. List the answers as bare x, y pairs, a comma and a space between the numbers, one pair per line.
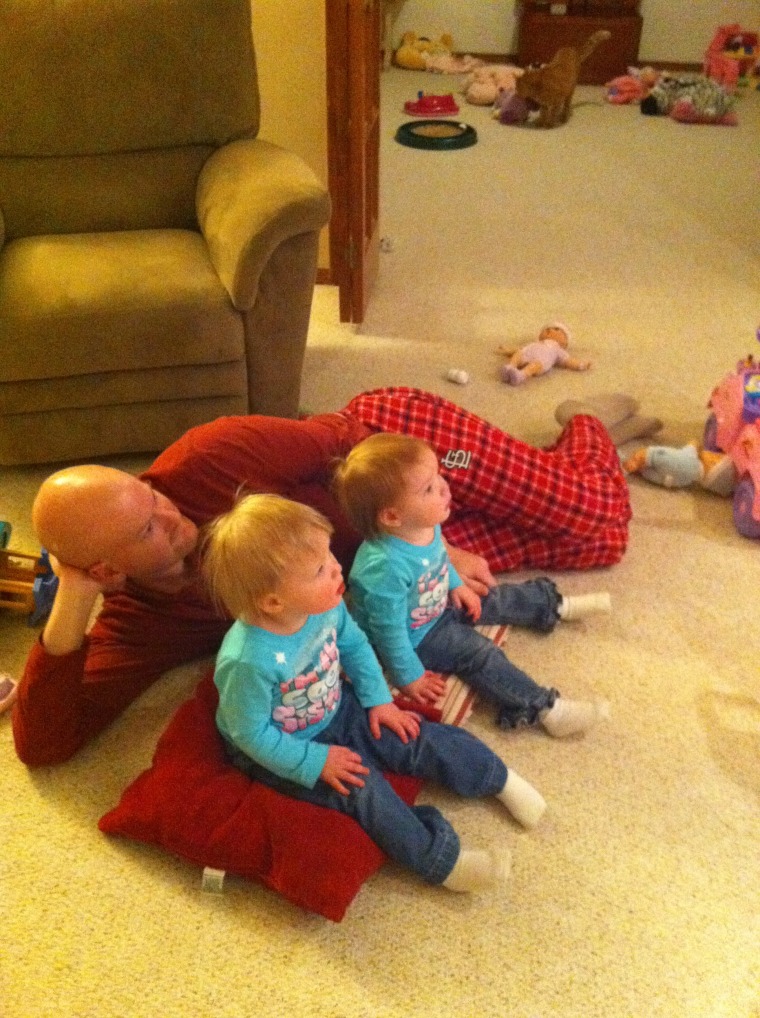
324, 277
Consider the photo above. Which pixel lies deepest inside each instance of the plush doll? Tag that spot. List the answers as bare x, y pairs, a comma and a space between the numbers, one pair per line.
509, 108
690, 99
415, 51
537, 358
633, 86
682, 467
481, 86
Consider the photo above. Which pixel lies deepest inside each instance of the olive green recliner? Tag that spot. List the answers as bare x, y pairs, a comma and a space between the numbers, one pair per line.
157, 261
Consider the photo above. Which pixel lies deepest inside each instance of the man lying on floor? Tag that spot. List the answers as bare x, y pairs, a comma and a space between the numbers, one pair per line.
133, 539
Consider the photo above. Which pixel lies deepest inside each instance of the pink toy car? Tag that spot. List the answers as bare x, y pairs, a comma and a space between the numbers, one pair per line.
733, 427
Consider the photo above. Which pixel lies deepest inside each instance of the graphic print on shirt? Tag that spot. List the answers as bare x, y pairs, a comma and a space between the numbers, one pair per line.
432, 594
456, 459
306, 698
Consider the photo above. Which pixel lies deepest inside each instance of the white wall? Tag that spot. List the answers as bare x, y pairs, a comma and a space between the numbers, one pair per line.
674, 30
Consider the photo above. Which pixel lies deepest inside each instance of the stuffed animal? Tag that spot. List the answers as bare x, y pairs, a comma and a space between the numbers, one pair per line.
509, 108
537, 358
415, 50
682, 467
690, 99
633, 86
481, 87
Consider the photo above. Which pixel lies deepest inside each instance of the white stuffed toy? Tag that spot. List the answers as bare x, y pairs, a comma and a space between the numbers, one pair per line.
481, 87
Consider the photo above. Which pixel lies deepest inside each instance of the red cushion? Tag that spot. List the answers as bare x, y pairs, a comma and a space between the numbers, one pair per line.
192, 803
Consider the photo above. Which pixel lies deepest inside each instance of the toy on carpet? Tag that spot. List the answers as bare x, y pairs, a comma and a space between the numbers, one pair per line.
436, 135
457, 375
481, 87
690, 99
631, 87
510, 108
672, 467
427, 105
729, 461
8, 691
730, 57
27, 582
541, 356
420, 53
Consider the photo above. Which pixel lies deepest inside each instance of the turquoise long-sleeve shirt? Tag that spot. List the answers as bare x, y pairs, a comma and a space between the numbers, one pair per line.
276, 693
398, 593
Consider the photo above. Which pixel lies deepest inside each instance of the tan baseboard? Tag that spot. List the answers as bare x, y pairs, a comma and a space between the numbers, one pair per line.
658, 65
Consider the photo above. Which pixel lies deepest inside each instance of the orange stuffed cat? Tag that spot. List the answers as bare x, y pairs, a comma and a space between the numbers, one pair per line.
552, 86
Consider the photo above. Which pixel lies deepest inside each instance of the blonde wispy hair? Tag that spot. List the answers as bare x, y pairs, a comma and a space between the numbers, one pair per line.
247, 550
372, 477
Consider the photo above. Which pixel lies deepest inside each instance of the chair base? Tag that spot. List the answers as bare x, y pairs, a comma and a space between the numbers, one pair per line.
94, 432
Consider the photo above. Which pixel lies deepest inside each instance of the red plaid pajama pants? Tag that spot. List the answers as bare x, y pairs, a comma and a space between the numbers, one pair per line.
564, 507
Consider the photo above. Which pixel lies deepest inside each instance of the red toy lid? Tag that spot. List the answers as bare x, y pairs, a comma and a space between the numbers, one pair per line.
431, 105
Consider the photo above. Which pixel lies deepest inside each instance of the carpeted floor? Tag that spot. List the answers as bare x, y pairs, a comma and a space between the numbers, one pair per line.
639, 894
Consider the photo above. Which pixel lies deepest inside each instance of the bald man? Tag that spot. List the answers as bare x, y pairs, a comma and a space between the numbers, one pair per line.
135, 539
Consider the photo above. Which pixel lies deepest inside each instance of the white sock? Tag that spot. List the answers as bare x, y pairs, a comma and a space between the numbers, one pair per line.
522, 800
572, 608
477, 870
572, 717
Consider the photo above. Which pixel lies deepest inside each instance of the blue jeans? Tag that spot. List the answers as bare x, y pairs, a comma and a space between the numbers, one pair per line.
415, 836
454, 645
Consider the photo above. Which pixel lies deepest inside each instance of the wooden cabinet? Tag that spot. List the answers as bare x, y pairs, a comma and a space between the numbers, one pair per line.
545, 27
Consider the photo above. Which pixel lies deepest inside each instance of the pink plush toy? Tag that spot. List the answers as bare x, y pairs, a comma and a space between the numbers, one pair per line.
537, 358
481, 86
631, 87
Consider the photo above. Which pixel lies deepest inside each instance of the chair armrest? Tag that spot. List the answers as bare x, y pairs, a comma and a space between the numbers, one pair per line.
251, 196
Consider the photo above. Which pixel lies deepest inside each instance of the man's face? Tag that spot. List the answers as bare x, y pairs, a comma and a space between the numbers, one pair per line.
146, 537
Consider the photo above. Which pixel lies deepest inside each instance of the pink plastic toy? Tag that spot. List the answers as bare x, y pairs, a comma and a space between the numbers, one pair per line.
431, 105
733, 427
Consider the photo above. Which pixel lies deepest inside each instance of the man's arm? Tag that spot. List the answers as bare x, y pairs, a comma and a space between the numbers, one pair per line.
67, 698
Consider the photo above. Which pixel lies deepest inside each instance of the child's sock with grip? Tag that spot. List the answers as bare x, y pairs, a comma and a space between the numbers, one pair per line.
577, 607
477, 870
572, 717
522, 800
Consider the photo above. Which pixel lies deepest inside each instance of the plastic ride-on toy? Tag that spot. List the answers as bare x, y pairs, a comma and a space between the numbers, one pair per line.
733, 427
27, 582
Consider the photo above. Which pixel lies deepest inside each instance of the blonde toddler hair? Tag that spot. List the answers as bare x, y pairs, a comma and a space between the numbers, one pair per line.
373, 477
246, 551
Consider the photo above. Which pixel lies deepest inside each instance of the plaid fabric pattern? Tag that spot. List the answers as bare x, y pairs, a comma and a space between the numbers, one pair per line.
565, 507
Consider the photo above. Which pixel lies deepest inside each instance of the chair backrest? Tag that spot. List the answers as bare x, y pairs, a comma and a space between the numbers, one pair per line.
108, 108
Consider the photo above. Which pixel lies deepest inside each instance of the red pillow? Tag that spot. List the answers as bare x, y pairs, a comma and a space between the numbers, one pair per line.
193, 803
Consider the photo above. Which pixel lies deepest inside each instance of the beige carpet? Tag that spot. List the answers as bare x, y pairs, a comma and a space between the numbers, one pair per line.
639, 895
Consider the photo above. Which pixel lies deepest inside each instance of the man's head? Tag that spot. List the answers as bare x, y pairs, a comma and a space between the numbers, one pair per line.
112, 524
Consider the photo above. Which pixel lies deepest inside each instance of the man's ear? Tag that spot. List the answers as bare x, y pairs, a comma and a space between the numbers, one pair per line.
106, 575
389, 518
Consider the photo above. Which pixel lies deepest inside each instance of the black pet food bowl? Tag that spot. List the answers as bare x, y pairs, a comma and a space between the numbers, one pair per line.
436, 134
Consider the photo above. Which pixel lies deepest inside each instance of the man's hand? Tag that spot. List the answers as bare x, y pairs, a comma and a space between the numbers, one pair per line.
343, 765
466, 600
74, 601
404, 724
426, 689
473, 570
